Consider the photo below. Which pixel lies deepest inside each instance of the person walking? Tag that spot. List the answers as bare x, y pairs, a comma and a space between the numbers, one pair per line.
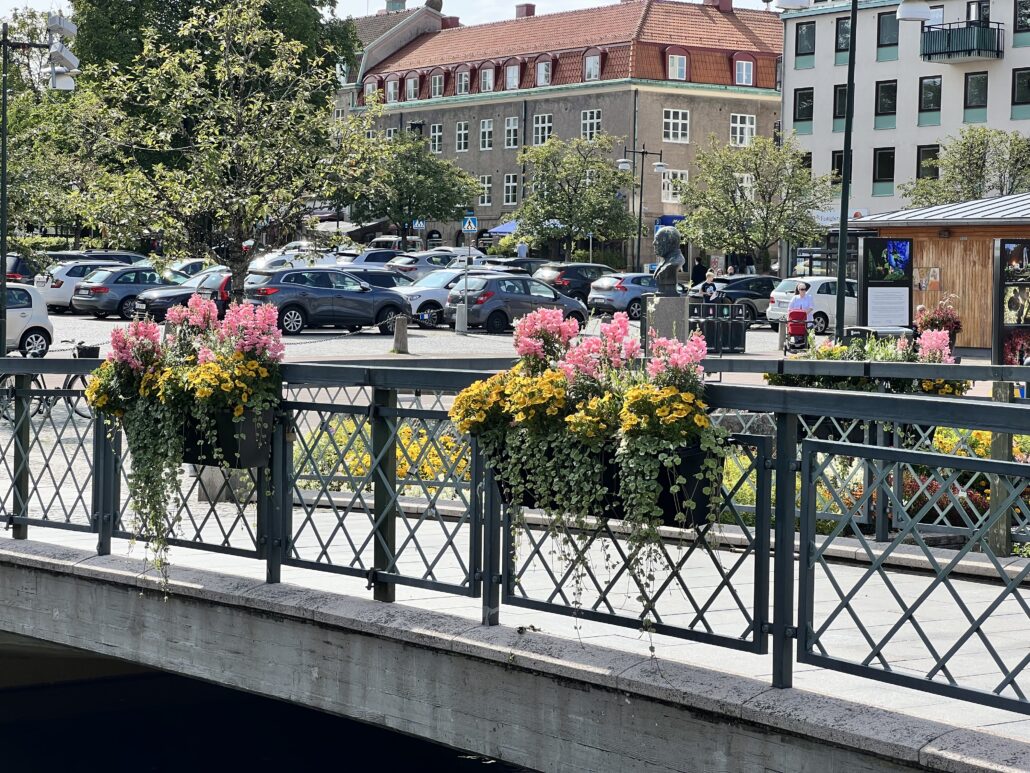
801, 300
522, 250
697, 272
749, 264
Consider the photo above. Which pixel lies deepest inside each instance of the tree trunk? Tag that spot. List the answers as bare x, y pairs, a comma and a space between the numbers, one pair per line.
236, 259
762, 259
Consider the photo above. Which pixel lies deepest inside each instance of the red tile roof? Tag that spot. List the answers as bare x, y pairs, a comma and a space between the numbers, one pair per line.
703, 26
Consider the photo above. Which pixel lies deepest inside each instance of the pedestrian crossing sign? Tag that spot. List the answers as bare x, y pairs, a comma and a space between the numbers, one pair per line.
418, 225
470, 225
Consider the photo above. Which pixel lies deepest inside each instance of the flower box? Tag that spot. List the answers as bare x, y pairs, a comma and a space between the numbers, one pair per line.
239, 443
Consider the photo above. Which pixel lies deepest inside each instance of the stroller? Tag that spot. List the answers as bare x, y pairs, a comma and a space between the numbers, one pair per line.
797, 331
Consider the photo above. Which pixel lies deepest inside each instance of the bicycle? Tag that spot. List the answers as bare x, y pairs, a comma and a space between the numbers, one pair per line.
8, 400
78, 382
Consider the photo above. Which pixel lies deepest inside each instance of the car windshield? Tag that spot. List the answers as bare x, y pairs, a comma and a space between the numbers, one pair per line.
99, 276
436, 279
607, 282
475, 284
179, 265
786, 286
175, 277
403, 261
256, 280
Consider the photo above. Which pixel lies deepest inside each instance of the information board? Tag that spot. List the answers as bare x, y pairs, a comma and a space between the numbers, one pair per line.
885, 282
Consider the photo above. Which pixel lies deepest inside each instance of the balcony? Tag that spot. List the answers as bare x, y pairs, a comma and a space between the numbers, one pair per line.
964, 41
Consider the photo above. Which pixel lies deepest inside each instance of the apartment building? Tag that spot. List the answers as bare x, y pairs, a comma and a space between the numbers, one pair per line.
662, 74
916, 84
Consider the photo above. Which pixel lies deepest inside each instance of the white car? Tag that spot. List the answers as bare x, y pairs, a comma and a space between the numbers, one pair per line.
412, 243
28, 327
460, 252
428, 296
57, 284
823, 290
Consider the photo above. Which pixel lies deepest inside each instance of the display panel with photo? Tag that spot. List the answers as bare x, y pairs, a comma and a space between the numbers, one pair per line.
888, 260
1015, 260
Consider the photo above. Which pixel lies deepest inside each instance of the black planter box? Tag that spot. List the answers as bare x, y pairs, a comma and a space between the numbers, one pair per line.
244, 444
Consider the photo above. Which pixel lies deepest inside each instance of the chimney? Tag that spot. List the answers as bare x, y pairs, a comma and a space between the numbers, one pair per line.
522, 10
725, 6
395, 5
449, 22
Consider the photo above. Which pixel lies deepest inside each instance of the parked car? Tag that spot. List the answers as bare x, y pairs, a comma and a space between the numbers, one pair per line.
748, 290
291, 259
379, 276
428, 296
114, 290
495, 301
823, 290
63, 256
191, 266
460, 251
28, 327
621, 292
411, 243
324, 296
21, 269
418, 264
118, 256
459, 261
368, 256
217, 288
154, 303
57, 283
529, 265
572, 279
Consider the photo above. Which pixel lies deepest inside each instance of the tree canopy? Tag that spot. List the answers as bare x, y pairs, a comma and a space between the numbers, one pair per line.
980, 163
746, 199
575, 191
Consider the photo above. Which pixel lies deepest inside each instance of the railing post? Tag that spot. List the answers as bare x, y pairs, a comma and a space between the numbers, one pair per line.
269, 506
384, 451
999, 536
783, 558
22, 427
492, 526
105, 471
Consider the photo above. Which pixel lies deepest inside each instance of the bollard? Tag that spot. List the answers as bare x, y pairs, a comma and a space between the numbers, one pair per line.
400, 334
461, 319
999, 535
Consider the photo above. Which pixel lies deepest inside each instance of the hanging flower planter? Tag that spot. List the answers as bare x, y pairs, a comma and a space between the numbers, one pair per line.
236, 442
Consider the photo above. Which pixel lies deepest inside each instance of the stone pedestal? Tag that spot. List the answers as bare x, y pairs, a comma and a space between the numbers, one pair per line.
669, 317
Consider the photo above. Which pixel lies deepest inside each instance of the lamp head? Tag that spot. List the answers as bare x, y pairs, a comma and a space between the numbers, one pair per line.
793, 5
624, 164
913, 10
660, 167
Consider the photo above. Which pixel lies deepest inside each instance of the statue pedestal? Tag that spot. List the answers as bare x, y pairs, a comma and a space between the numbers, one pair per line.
669, 317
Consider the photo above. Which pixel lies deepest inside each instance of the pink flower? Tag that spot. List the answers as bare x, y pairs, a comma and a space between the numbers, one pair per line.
253, 331
205, 355
544, 335
611, 350
934, 346
137, 346
671, 354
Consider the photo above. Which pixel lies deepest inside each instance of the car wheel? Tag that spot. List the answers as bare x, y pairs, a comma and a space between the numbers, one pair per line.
384, 319
497, 322
430, 315
100, 314
292, 320
750, 313
635, 309
822, 322
580, 319
127, 308
34, 343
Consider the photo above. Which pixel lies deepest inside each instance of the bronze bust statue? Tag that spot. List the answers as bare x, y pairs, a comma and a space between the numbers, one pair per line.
667, 248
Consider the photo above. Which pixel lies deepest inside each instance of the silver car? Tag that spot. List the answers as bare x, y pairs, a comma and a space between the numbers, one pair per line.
428, 295
496, 301
416, 265
621, 292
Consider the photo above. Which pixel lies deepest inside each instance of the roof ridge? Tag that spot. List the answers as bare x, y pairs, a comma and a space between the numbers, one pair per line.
529, 19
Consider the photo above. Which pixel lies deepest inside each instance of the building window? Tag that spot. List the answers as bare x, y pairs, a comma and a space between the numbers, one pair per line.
804, 38
886, 97
486, 184
370, 89
486, 134
461, 136
411, 89
936, 16
436, 85
391, 132
925, 154
887, 29
806, 161
676, 125
393, 89
511, 77
746, 185
589, 124
670, 195
511, 190
840, 100
742, 129
338, 113
542, 125
930, 94
511, 132
976, 90
1022, 20
1021, 86
843, 37
978, 10
837, 165
883, 165
745, 73
461, 82
677, 67
592, 68
486, 79
436, 138
543, 73
804, 104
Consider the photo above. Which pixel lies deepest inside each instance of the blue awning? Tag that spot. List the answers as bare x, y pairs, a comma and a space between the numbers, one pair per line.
504, 229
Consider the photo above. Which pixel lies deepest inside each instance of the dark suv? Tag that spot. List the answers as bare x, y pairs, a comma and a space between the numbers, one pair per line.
20, 269
572, 279
324, 296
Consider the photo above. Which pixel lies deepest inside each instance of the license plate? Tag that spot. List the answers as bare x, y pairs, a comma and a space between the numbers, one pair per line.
82, 292
39, 282
141, 306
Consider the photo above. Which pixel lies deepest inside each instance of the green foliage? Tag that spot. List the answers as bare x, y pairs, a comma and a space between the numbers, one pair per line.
747, 199
979, 163
575, 192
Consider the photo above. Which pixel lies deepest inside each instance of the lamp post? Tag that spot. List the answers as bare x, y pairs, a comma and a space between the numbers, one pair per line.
625, 164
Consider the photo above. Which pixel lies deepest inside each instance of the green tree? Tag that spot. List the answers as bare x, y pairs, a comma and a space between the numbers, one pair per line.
227, 132
980, 163
575, 192
746, 199
409, 183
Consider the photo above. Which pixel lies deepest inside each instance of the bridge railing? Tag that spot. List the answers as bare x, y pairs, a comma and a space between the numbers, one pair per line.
369, 478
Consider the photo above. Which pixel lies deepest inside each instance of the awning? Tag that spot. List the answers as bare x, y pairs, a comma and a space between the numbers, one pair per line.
505, 229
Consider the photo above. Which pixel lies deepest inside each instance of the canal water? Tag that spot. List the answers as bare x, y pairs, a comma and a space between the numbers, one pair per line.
159, 722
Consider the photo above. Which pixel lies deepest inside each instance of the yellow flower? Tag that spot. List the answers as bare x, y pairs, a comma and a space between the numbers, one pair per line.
237, 411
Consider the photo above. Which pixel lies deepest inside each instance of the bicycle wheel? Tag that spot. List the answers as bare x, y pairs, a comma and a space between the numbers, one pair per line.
8, 401
77, 403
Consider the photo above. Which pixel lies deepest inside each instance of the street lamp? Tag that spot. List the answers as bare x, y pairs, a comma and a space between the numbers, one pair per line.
63, 69
624, 164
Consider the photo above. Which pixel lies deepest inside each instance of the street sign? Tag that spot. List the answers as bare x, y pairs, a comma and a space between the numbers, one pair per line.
470, 225
418, 225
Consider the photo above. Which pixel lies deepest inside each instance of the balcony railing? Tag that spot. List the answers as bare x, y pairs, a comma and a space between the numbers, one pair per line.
963, 41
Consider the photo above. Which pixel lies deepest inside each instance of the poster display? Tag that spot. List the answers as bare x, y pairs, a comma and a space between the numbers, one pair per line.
927, 279
1011, 334
885, 292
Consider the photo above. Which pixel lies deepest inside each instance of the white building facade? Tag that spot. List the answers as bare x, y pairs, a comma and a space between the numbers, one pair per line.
916, 85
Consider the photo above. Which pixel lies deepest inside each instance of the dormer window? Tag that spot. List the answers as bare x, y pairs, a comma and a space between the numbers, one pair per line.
393, 90
592, 67
370, 89
411, 88
462, 81
543, 71
743, 70
436, 85
677, 67
486, 79
512, 76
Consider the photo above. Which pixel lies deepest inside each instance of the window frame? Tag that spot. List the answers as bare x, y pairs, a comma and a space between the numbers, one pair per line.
965, 90
1015, 17
596, 58
486, 134
461, 130
838, 90
411, 94
797, 36
589, 123
940, 93
750, 129
677, 117
462, 82
837, 170
920, 172
486, 186
434, 79
511, 124
1016, 72
436, 138
877, 152
669, 176
539, 125
547, 68
393, 91
794, 107
841, 21
876, 97
890, 16
510, 184
749, 66
483, 73
508, 69
681, 59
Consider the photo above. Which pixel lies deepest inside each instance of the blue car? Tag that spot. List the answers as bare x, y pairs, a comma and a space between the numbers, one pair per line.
621, 292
